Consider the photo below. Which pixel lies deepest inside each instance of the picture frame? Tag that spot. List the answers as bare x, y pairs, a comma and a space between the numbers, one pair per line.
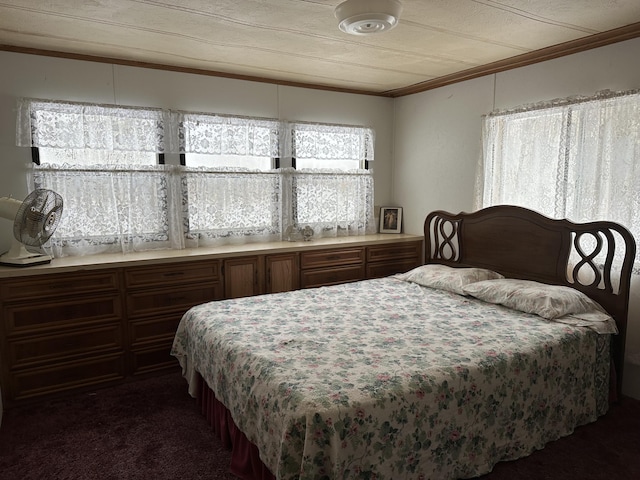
390, 219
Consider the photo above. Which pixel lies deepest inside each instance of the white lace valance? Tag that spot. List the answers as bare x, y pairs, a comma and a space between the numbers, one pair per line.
53, 124
59, 124
561, 103
331, 142
226, 135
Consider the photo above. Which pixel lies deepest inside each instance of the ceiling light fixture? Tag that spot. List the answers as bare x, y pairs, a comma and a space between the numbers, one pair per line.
366, 17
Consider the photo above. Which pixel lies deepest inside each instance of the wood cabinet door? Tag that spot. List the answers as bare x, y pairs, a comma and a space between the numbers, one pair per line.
243, 277
283, 273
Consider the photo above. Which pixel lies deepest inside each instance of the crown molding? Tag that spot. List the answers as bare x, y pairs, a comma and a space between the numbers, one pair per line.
549, 53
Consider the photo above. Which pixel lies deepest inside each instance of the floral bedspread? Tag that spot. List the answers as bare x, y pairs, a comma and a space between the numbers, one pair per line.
387, 379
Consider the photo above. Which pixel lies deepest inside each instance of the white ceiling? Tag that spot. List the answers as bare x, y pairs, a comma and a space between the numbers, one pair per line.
298, 42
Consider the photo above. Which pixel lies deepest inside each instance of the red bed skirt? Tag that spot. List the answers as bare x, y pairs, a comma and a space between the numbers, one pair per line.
245, 460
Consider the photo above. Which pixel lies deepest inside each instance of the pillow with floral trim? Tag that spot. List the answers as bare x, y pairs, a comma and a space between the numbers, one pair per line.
548, 301
444, 277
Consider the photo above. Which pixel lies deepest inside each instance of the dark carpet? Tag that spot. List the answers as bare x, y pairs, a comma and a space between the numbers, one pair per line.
152, 429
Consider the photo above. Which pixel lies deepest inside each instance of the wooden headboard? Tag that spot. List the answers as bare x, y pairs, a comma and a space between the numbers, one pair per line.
595, 258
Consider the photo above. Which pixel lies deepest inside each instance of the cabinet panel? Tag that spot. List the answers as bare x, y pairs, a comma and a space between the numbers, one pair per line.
153, 359
283, 273
396, 251
34, 350
41, 317
67, 376
384, 269
388, 259
170, 299
45, 286
172, 274
243, 277
331, 276
153, 329
331, 258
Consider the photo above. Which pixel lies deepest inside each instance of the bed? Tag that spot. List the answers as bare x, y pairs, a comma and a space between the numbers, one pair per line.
508, 337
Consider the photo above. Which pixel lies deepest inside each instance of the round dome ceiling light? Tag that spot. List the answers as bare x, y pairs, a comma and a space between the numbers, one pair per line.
366, 17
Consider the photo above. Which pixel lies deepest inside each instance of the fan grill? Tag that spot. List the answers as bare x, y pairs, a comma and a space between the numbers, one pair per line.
38, 217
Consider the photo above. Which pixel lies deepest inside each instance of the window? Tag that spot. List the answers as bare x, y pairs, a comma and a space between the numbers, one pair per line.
239, 179
105, 162
229, 184
578, 158
332, 186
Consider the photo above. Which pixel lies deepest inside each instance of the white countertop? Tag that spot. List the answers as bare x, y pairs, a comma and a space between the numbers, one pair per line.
150, 257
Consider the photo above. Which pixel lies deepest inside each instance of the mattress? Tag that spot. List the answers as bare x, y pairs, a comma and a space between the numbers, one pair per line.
388, 379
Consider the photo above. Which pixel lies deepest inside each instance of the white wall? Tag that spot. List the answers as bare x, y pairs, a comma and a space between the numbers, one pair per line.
437, 141
436, 147
55, 78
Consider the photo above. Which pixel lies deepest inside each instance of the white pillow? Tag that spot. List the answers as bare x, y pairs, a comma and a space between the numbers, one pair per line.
447, 278
547, 301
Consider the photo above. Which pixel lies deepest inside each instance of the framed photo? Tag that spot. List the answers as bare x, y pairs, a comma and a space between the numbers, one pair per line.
390, 219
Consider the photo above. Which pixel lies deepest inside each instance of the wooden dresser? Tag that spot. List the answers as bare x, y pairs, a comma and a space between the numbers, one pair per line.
83, 322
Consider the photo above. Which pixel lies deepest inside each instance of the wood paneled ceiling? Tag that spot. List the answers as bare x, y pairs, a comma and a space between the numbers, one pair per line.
297, 42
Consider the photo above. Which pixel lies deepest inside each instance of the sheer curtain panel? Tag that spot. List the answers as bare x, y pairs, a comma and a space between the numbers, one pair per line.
576, 158
103, 160
224, 200
332, 185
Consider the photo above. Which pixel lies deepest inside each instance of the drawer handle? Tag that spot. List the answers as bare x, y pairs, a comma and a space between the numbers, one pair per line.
173, 274
334, 257
177, 298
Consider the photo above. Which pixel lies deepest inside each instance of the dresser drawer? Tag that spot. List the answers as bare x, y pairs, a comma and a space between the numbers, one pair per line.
396, 251
31, 383
330, 258
384, 269
161, 301
331, 276
50, 316
45, 286
153, 329
153, 359
171, 274
33, 350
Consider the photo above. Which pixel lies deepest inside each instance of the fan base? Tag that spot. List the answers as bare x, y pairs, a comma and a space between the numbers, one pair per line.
31, 260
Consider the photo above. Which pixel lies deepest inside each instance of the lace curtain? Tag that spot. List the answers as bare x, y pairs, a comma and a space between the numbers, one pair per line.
45, 123
332, 203
103, 161
331, 142
111, 209
119, 198
240, 205
230, 204
576, 158
226, 135
334, 195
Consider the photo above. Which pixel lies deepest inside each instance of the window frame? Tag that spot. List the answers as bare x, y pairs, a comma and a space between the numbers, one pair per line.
176, 203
